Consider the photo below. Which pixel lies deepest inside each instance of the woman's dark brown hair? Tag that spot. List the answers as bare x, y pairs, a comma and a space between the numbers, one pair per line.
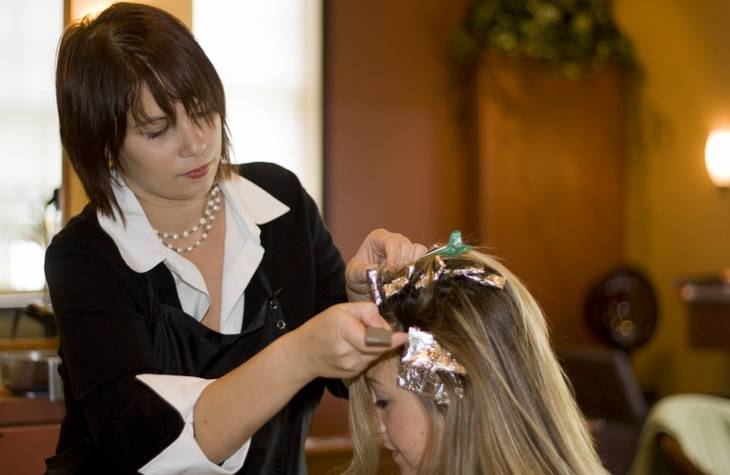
103, 63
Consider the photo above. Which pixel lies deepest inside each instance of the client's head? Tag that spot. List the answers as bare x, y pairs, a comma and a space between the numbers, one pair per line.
478, 390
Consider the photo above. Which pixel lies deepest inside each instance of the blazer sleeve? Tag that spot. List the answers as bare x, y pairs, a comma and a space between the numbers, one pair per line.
328, 266
329, 273
104, 344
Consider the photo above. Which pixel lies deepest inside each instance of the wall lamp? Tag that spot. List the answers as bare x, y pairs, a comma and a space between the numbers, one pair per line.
717, 157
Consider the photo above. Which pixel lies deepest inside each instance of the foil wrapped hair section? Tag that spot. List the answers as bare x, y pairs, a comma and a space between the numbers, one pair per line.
480, 276
376, 291
384, 284
426, 366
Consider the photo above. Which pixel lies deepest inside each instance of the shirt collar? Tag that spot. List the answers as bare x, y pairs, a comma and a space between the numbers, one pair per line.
140, 247
251, 202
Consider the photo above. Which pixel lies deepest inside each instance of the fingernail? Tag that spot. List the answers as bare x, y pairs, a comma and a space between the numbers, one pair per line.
375, 336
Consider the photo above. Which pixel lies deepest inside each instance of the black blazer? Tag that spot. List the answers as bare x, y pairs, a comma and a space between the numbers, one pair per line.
109, 324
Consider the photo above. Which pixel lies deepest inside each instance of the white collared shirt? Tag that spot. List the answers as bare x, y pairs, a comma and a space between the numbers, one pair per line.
247, 205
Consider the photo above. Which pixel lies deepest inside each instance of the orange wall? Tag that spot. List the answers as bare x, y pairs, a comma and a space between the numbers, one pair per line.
183, 9
396, 152
678, 223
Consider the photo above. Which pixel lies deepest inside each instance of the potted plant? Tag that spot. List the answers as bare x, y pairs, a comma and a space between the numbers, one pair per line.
571, 34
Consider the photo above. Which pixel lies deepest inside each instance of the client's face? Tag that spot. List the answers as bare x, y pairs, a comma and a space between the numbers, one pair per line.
402, 417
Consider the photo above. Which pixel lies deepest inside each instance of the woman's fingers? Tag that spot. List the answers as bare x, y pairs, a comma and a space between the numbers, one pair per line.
419, 250
380, 247
332, 344
398, 251
392, 249
366, 313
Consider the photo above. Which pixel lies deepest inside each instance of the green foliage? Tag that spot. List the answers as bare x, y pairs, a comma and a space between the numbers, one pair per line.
567, 33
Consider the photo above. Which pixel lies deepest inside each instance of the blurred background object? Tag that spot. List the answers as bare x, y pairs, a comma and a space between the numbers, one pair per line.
685, 434
707, 299
609, 395
621, 308
38, 312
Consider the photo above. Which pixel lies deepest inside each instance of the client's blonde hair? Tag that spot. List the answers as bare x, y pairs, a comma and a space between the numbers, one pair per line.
517, 414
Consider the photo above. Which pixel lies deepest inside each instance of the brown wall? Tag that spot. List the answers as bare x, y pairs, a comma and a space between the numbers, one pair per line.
551, 156
396, 152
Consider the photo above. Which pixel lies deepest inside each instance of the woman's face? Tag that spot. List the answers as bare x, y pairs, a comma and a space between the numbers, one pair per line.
164, 162
402, 417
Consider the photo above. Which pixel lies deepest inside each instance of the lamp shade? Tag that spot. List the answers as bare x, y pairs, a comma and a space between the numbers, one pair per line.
717, 157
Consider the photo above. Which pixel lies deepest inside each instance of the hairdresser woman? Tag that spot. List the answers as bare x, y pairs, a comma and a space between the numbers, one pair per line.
198, 303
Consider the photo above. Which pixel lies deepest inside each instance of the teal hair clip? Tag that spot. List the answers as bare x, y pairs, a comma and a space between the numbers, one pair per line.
455, 247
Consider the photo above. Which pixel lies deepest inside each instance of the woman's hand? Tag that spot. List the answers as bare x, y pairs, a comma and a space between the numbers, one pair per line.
332, 344
379, 247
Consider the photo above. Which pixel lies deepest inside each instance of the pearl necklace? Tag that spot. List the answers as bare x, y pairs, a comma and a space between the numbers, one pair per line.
205, 223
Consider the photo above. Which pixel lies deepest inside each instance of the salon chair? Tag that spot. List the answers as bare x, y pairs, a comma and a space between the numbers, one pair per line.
686, 434
677, 460
609, 396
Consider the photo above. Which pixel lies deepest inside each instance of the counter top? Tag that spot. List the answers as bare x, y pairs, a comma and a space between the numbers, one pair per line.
13, 344
19, 410
707, 299
713, 288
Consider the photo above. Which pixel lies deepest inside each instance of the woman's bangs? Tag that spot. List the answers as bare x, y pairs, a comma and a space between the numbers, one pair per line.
177, 84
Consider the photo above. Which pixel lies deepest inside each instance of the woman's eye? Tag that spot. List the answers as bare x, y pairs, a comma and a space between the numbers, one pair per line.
381, 403
156, 134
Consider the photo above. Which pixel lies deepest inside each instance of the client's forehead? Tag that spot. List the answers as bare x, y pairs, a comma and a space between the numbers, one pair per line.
383, 372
